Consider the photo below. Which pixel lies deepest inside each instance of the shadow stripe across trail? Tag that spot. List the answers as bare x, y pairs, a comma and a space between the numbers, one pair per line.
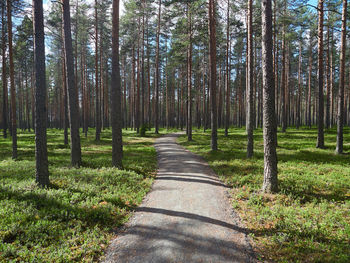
185, 218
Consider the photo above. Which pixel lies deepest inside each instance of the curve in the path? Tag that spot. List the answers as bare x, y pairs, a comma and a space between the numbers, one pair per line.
185, 218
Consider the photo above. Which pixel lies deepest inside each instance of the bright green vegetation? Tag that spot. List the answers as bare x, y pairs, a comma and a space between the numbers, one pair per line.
309, 219
74, 219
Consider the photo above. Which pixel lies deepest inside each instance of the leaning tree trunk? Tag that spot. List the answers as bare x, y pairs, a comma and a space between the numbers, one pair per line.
212, 46
340, 117
72, 92
269, 117
42, 170
250, 87
117, 144
320, 115
12, 82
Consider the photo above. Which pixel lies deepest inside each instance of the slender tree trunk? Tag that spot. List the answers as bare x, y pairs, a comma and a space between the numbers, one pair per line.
42, 170
283, 82
331, 81
97, 86
4, 73
27, 101
270, 128
72, 92
309, 85
65, 95
212, 46
138, 91
228, 72
275, 56
117, 145
250, 87
340, 117
12, 82
328, 94
320, 115
143, 65
189, 74
156, 86
298, 110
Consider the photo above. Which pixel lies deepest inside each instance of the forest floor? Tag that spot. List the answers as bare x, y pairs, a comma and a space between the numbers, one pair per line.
186, 217
309, 219
73, 220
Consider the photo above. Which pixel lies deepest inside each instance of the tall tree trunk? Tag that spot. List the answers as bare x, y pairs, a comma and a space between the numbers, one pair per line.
270, 128
298, 110
12, 82
189, 74
143, 65
309, 122
42, 169
27, 101
156, 86
72, 92
283, 82
250, 86
320, 115
340, 117
97, 86
331, 81
117, 145
138, 92
65, 95
4, 73
275, 56
212, 46
228, 71
328, 93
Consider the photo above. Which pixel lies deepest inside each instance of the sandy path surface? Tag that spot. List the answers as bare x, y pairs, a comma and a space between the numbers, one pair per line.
186, 217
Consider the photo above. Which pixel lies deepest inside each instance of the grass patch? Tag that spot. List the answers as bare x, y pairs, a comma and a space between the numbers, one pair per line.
309, 219
73, 221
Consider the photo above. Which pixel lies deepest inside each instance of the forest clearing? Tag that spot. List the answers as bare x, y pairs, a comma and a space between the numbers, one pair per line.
174, 131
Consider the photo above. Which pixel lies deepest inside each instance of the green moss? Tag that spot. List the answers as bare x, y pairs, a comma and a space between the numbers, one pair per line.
309, 219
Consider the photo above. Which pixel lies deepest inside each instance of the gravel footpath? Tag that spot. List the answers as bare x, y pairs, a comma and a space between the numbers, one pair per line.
187, 216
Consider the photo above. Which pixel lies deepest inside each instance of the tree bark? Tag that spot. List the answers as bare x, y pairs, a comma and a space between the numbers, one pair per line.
12, 82
270, 128
212, 46
340, 117
298, 109
156, 86
328, 94
4, 73
228, 72
97, 84
309, 122
42, 169
72, 92
320, 115
283, 82
189, 74
250, 86
117, 144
